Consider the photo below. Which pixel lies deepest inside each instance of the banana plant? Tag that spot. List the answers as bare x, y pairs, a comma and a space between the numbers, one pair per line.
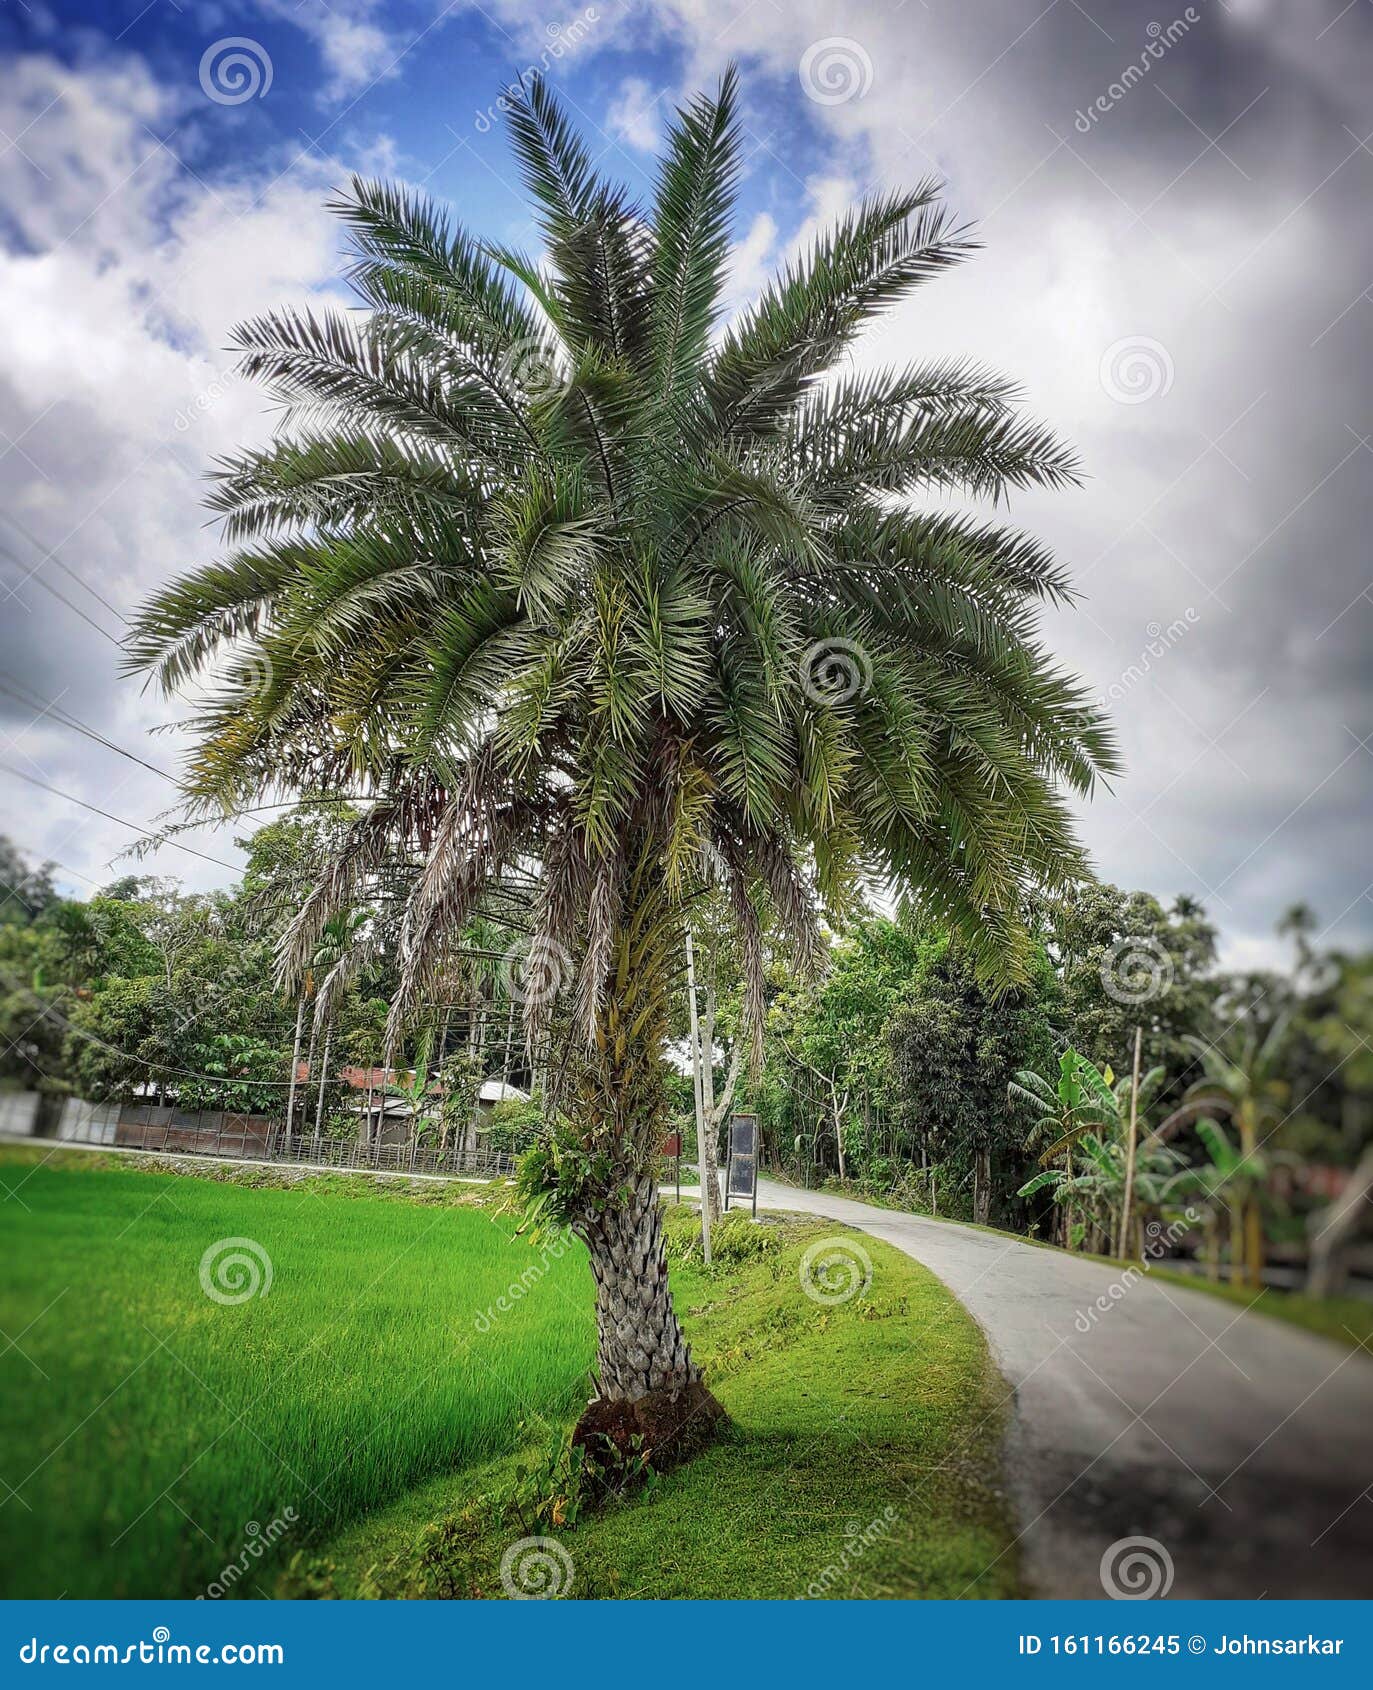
1083, 1101
1226, 1183
1096, 1183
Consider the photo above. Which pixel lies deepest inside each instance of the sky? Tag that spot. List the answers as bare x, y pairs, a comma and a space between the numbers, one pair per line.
1177, 266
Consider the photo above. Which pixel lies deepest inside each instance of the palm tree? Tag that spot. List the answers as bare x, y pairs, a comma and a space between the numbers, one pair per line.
554, 571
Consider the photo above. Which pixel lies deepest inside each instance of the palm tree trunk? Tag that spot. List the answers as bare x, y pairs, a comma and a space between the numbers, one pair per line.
650, 1394
640, 1347
1131, 1144
309, 1069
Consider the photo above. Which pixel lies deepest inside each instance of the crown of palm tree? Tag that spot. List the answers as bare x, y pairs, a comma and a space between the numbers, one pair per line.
551, 570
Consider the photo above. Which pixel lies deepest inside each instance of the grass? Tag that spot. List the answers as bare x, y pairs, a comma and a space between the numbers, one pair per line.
150, 1433
861, 1461
408, 1445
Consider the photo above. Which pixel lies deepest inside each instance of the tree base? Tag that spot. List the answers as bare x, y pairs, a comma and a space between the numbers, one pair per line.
659, 1430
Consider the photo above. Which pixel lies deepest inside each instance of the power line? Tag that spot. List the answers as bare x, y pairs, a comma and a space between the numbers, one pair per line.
47, 586
51, 554
142, 832
66, 719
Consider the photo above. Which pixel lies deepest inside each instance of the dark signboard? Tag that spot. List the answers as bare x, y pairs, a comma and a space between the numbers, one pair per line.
741, 1173
672, 1145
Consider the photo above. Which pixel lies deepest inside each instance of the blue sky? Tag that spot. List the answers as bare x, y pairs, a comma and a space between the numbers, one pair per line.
413, 89
1176, 267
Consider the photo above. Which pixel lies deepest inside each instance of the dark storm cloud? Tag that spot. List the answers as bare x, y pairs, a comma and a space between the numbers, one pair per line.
1211, 206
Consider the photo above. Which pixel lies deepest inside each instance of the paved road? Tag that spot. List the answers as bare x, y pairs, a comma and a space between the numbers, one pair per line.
1244, 1446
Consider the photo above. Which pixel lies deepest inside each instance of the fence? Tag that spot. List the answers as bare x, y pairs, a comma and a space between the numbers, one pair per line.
224, 1135
19, 1112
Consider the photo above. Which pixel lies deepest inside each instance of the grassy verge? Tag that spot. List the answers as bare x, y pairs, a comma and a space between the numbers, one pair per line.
861, 1461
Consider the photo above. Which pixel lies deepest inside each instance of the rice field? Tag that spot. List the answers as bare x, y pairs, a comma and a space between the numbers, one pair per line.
199, 1378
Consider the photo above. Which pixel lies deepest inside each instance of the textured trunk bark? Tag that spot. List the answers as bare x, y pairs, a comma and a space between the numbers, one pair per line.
982, 1184
640, 1344
651, 1406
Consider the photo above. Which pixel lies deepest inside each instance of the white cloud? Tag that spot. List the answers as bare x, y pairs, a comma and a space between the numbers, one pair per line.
633, 114
751, 263
126, 276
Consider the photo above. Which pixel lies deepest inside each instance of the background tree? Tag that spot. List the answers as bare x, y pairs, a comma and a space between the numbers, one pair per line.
1124, 961
956, 1047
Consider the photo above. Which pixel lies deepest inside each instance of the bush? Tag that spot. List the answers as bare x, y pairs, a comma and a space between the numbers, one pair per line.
513, 1125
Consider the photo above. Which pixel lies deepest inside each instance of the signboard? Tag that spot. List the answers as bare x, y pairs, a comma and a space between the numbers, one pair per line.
741, 1172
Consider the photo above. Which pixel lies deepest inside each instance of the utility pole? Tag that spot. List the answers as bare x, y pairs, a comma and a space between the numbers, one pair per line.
698, 1097
295, 1064
1128, 1203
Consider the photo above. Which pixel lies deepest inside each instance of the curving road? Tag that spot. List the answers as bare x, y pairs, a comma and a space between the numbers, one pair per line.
1242, 1445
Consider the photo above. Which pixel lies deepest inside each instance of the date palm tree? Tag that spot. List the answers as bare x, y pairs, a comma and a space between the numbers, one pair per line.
554, 568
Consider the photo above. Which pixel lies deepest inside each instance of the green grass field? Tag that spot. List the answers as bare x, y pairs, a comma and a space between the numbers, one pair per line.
862, 1459
147, 1429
